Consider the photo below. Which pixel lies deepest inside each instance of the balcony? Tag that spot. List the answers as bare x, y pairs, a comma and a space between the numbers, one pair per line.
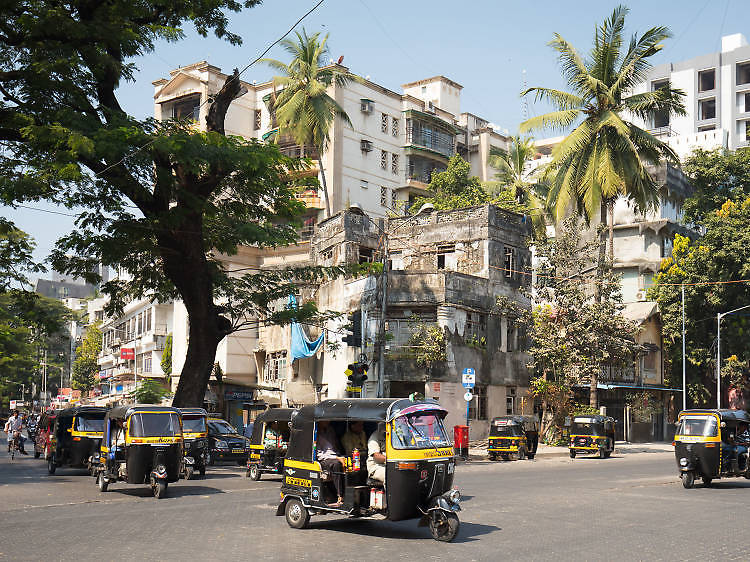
311, 200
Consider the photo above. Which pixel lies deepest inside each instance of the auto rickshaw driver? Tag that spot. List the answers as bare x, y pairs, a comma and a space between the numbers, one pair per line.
376, 454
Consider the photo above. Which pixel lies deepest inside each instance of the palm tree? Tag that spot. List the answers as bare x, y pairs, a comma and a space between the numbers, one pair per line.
514, 173
303, 108
606, 156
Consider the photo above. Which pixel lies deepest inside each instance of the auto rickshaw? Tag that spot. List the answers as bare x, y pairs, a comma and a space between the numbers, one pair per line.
269, 441
419, 465
513, 436
592, 435
76, 438
195, 441
142, 445
43, 441
711, 444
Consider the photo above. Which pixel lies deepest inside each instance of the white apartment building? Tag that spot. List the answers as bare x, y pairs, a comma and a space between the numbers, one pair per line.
717, 99
381, 162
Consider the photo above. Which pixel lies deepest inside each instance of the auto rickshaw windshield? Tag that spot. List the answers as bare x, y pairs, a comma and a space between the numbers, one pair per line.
163, 424
419, 431
89, 423
703, 426
195, 424
511, 430
583, 426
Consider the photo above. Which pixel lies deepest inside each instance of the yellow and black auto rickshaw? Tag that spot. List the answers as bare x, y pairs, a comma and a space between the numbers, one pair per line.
195, 441
269, 442
76, 438
417, 470
516, 436
592, 435
712, 444
142, 445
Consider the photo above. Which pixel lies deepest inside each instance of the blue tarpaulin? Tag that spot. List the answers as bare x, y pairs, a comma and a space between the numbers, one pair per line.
301, 346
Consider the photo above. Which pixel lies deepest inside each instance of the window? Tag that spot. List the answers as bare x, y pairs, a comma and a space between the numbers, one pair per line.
478, 404
363, 184
256, 120
275, 366
326, 256
510, 344
509, 263
187, 108
743, 73
147, 364
660, 118
442, 252
706, 80
394, 127
747, 103
424, 89
394, 200
394, 163
366, 255
706, 128
510, 402
707, 109
747, 131
149, 315
383, 159
384, 122
383, 196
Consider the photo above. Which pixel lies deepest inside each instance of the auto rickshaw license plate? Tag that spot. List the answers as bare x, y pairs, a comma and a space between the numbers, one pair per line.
238, 450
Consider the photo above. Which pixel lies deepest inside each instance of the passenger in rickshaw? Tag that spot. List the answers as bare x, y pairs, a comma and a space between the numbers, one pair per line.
330, 459
355, 438
376, 454
273, 438
742, 441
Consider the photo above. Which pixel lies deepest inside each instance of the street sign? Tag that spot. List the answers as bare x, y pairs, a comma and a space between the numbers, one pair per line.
468, 396
468, 378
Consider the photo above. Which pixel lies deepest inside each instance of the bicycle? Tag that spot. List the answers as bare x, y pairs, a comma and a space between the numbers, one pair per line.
15, 444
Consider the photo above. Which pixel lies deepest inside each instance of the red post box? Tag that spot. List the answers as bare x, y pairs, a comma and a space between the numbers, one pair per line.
461, 440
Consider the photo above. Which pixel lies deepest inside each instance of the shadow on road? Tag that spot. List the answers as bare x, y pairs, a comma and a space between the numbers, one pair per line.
177, 490
401, 530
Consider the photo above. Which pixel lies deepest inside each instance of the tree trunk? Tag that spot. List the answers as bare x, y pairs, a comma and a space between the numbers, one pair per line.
602, 252
594, 392
325, 186
611, 228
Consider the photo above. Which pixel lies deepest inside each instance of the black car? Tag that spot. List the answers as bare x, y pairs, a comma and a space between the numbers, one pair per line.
225, 443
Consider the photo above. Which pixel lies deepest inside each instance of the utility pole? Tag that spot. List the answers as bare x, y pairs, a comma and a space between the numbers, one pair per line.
383, 307
684, 386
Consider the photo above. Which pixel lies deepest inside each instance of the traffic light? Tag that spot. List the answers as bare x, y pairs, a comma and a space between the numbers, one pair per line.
355, 327
356, 376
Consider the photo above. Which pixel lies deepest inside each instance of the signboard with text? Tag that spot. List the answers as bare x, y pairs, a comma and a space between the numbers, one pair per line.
468, 378
127, 353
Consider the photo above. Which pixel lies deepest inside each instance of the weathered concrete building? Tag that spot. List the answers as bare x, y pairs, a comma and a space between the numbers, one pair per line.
447, 269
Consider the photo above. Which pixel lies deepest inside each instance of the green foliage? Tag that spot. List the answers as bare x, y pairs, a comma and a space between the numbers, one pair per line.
149, 392
644, 405
16, 261
715, 177
583, 410
556, 396
427, 343
723, 254
166, 358
85, 366
455, 188
605, 156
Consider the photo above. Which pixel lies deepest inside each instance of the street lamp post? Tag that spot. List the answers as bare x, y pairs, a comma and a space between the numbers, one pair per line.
427, 207
719, 316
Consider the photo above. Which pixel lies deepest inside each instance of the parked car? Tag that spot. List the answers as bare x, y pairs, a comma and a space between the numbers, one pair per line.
225, 443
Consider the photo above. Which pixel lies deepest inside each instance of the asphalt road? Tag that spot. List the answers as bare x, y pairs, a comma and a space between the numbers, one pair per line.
629, 507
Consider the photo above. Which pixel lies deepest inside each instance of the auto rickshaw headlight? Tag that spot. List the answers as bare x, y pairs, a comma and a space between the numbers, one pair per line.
200, 443
221, 444
454, 496
683, 461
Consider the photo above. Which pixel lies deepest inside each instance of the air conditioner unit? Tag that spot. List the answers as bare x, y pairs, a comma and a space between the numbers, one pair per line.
640, 296
365, 145
365, 106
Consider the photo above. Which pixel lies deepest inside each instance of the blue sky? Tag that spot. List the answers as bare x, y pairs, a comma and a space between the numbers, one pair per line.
483, 45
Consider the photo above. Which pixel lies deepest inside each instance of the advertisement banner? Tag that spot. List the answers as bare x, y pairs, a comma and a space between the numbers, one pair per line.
127, 353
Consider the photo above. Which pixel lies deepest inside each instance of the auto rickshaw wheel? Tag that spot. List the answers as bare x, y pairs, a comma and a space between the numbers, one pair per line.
253, 473
504, 456
159, 489
296, 514
492, 456
572, 454
51, 467
101, 482
707, 481
688, 479
443, 525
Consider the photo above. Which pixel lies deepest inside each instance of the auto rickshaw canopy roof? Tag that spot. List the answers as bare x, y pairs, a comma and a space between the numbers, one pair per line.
193, 412
275, 414
724, 414
77, 410
122, 412
529, 423
592, 419
365, 409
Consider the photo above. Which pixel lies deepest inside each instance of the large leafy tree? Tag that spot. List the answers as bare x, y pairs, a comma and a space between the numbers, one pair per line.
85, 366
162, 201
304, 109
709, 268
715, 176
606, 156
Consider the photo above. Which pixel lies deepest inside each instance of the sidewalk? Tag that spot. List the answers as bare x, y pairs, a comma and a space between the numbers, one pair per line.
478, 449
